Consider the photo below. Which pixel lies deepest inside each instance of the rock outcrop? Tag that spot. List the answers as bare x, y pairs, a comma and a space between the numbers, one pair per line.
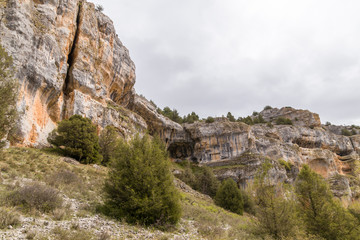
236, 150
69, 60
298, 117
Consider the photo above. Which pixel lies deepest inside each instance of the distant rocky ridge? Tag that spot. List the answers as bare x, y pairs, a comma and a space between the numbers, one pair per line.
69, 60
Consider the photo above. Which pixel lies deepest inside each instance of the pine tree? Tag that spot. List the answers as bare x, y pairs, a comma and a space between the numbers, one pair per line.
275, 214
321, 214
77, 138
107, 141
230, 117
140, 185
8, 93
229, 197
207, 183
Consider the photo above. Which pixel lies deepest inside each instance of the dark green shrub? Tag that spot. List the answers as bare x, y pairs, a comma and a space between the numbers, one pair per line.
8, 94
140, 185
201, 179
345, 132
172, 114
248, 120
285, 164
210, 120
107, 142
191, 118
37, 196
267, 107
206, 182
228, 196
283, 121
230, 117
249, 204
77, 138
322, 215
275, 214
259, 119
255, 113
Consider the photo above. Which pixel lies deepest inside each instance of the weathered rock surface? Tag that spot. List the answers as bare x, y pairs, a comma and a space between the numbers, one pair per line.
69, 60
236, 150
299, 117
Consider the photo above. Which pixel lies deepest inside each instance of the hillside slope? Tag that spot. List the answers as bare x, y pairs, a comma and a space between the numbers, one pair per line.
80, 187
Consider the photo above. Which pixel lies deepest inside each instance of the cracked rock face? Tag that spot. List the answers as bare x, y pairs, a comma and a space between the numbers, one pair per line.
237, 150
69, 60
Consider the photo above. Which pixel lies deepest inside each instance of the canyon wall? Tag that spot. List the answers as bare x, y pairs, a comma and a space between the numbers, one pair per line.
69, 60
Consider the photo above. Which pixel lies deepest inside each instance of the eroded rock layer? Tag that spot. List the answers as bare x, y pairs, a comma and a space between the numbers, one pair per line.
69, 60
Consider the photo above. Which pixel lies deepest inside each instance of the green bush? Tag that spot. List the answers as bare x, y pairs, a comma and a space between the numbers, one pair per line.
267, 107
259, 119
36, 196
228, 196
210, 120
249, 204
140, 186
346, 132
275, 214
207, 183
107, 142
8, 94
248, 120
322, 215
283, 121
77, 138
191, 118
200, 178
285, 164
230, 117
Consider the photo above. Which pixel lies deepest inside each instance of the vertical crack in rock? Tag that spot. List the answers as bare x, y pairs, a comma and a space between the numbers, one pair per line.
68, 87
352, 144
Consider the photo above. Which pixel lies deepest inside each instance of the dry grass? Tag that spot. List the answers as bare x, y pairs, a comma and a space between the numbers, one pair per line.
85, 184
8, 217
214, 222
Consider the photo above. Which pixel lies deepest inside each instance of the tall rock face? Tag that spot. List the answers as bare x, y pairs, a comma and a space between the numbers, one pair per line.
69, 60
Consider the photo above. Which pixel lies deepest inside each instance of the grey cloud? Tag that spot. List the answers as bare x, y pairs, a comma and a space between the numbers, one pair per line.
214, 56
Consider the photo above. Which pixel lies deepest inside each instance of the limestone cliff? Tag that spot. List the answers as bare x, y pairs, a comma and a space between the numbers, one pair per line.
236, 150
69, 60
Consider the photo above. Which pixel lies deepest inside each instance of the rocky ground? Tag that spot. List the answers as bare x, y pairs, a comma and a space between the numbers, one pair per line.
78, 218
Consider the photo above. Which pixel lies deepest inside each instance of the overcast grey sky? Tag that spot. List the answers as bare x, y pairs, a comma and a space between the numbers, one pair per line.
212, 56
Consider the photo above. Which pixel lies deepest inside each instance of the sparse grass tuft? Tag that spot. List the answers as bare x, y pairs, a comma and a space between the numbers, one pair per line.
8, 217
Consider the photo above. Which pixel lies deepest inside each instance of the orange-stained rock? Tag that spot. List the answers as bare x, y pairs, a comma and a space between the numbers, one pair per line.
68, 60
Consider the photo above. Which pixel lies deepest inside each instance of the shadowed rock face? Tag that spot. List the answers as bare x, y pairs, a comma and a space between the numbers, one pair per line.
69, 60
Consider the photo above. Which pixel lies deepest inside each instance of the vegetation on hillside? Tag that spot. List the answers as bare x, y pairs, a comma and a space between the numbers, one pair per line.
8, 95
140, 185
76, 137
